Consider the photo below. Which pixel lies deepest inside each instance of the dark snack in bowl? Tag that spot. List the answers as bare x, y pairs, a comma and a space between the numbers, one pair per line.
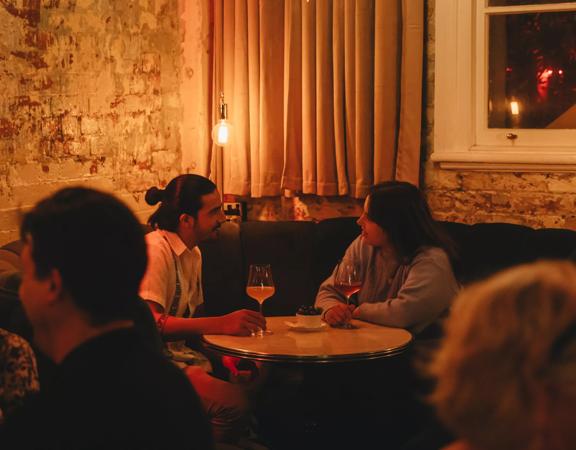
309, 310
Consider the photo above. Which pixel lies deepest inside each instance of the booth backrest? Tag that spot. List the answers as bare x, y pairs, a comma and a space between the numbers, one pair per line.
486, 248
302, 255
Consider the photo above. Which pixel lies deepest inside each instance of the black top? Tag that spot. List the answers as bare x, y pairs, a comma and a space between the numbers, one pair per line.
112, 392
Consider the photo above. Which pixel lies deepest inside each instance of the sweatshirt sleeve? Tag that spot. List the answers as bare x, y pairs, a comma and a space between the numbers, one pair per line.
426, 293
328, 296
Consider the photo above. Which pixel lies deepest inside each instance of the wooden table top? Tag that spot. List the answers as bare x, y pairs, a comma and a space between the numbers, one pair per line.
287, 344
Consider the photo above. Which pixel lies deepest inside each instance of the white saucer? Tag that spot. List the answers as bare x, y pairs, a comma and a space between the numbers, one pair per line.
295, 327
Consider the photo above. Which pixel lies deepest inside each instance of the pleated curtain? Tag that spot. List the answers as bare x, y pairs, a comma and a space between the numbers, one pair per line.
324, 95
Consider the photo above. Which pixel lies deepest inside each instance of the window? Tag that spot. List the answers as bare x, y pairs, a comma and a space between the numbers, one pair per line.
505, 94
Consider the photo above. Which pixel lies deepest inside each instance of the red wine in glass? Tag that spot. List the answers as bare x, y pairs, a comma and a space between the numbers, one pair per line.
348, 290
348, 281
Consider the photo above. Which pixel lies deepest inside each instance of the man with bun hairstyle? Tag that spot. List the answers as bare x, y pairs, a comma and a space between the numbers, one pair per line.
190, 212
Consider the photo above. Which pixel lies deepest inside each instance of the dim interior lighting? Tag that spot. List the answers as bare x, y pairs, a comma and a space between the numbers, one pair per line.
560, 72
514, 108
222, 131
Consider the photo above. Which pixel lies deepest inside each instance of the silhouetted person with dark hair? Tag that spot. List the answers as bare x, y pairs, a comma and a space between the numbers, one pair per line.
404, 259
83, 259
190, 212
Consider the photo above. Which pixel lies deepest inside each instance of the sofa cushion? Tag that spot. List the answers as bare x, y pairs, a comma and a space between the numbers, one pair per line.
289, 248
550, 243
333, 236
491, 247
222, 272
458, 233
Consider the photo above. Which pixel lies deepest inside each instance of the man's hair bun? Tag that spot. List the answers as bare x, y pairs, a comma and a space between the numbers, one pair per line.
154, 195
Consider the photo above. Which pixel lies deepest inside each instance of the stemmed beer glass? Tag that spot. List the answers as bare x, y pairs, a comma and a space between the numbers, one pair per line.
348, 281
260, 287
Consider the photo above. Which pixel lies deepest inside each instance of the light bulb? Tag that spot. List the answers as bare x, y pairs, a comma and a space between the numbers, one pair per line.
222, 130
221, 133
515, 108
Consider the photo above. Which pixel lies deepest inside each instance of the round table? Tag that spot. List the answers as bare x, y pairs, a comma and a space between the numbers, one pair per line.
365, 342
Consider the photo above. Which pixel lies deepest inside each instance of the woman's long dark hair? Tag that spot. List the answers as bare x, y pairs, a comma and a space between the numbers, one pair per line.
401, 210
183, 195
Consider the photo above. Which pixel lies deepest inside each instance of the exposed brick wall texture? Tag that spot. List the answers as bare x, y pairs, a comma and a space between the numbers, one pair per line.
533, 199
306, 207
90, 95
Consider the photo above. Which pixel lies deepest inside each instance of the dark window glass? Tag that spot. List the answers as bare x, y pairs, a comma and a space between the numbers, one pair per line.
532, 70
523, 2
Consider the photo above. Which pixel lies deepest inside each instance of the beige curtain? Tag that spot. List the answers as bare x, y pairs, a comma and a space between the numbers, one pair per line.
324, 95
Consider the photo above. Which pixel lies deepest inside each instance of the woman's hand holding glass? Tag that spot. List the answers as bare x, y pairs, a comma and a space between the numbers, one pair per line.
347, 281
339, 314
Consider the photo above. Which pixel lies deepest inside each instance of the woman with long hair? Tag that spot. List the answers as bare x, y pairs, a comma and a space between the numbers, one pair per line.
404, 261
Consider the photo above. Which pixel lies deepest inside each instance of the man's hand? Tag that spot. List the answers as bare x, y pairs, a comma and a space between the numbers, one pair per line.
242, 322
339, 314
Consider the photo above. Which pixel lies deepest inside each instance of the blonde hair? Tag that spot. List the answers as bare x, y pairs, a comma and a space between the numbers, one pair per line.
508, 340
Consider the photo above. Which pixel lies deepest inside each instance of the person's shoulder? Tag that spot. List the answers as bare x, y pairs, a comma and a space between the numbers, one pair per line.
196, 252
432, 256
155, 237
360, 245
458, 445
144, 371
13, 345
11, 338
434, 253
157, 243
167, 388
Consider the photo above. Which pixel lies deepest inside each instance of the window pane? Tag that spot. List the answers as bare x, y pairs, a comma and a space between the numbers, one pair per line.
532, 71
523, 2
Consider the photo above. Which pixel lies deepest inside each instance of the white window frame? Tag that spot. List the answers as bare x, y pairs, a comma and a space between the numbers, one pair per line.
461, 137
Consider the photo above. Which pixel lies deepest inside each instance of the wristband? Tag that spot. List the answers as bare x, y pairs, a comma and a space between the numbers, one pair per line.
161, 323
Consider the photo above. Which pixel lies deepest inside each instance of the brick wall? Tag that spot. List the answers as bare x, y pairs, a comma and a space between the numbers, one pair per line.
534, 199
112, 94
90, 95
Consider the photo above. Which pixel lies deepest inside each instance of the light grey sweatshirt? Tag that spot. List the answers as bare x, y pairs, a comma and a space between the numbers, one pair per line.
410, 296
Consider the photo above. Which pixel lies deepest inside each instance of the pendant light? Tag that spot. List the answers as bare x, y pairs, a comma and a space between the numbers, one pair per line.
222, 131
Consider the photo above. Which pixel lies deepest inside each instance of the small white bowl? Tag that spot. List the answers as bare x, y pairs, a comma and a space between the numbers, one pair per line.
309, 321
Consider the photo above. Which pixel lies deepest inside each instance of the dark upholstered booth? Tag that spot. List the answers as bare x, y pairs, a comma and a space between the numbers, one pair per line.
302, 254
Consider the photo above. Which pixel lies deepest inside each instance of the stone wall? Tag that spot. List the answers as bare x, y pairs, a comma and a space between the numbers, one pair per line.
534, 199
90, 95
112, 94
306, 207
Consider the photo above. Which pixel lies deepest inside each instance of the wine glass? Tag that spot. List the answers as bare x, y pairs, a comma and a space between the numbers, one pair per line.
348, 281
260, 286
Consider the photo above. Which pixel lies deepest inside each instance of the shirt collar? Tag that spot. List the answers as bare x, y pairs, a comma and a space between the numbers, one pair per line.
178, 247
